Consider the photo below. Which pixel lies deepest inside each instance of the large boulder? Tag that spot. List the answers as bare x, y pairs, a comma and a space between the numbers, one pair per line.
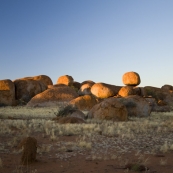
131, 79
103, 90
53, 96
42, 78
109, 109
157, 93
136, 106
159, 106
126, 91
66, 79
85, 102
167, 88
85, 89
27, 88
7, 93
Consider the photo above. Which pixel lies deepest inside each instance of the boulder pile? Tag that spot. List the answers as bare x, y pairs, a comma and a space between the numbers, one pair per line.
102, 100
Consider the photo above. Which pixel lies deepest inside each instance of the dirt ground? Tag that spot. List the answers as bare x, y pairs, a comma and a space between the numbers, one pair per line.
63, 158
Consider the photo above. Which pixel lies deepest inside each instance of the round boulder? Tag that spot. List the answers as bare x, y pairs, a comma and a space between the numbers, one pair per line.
66, 79
131, 79
103, 90
126, 91
109, 109
85, 102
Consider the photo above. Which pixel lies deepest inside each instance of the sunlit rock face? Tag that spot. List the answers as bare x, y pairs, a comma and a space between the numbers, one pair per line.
126, 91
109, 109
27, 88
103, 90
66, 79
85, 102
131, 79
7, 93
54, 96
42, 78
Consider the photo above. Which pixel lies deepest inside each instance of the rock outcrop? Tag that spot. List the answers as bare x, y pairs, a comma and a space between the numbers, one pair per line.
136, 106
53, 97
7, 93
109, 109
42, 78
25, 89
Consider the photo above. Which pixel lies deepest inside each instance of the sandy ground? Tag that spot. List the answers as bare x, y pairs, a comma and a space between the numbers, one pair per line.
64, 155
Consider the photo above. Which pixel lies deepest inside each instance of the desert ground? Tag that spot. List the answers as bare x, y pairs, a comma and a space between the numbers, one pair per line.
138, 145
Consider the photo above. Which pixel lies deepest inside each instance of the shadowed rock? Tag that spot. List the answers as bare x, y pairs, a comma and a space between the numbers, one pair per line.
85, 89
7, 93
28, 88
109, 109
136, 105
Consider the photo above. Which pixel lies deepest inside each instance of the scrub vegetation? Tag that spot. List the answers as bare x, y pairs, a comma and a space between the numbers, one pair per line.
95, 140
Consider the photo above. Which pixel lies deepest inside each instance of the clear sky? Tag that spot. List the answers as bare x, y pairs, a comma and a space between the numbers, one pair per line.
95, 40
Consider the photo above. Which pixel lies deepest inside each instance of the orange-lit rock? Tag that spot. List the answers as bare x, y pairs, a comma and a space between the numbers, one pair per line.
85, 102
126, 91
42, 78
53, 96
103, 90
7, 93
66, 79
131, 79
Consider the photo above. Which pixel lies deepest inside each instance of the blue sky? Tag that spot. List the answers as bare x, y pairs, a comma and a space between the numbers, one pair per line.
95, 40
